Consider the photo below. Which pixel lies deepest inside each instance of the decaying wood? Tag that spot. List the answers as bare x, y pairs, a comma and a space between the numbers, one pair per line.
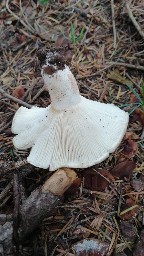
40, 204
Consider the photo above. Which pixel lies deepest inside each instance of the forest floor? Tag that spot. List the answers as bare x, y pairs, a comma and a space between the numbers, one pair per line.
106, 203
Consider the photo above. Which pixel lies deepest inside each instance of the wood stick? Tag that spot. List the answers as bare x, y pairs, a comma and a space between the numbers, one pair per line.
39, 205
42, 202
123, 64
113, 23
21, 102
137, 26
31, 29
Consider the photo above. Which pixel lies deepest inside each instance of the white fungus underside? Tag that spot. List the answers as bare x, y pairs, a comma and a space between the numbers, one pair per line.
79, 137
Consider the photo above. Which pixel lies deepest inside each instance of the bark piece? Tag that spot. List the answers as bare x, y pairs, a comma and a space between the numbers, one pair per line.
123, 169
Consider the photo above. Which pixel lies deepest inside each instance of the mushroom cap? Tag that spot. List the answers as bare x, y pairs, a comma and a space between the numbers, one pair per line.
79, 137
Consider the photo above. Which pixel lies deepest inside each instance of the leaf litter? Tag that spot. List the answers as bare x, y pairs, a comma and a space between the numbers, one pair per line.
105, 204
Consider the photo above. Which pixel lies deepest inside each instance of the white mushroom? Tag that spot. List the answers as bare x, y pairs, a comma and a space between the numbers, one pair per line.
72, 131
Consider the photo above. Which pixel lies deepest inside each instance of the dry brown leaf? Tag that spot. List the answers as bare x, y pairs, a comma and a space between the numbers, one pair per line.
91, 247
18, 92
123, 169
138, 116
48, 32
60, 41
96, 180
129, 210
130, 148
138, 184
73, 188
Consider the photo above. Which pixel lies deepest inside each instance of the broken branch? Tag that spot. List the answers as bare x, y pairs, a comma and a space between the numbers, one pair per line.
137, 26
113, 23
40, 204
21, 102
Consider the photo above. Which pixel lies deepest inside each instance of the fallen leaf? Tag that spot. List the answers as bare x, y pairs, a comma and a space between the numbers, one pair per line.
48, 32
130, 148
96, 180
128, 230
123, 169
91, 247
139, 249
138, 115
138, 184
18, 92
73, 188
129, 210
60, 41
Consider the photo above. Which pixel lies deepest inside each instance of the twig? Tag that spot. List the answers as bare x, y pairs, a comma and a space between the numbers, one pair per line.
94, 74
11, 165
21, 45
21, 21
22, 11
5, 127
5, 191
123, 64
137, 26
38, 94
104, 92
113, 23
142, 135
15, 99
39, 205
16, 211
138, 87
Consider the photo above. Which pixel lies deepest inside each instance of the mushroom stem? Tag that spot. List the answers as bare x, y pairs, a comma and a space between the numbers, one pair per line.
62, 87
